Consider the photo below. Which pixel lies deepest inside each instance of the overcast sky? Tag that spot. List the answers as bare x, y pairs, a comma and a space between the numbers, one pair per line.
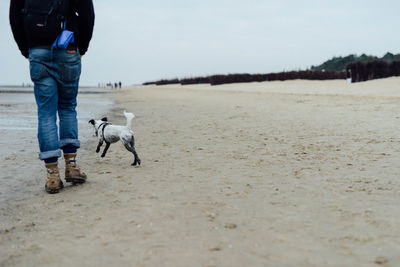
137, 41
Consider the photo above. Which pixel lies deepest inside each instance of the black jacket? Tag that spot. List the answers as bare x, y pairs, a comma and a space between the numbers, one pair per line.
81, 25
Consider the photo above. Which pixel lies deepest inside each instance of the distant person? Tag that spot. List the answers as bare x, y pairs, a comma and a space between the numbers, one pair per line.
120, 85
115, 85
55, 72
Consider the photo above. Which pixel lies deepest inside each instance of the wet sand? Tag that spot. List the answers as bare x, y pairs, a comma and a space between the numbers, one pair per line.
18, 129
297, 173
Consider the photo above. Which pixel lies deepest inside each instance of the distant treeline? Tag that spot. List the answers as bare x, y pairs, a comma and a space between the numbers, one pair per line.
246, 78
340, 63
359, 68
363, 71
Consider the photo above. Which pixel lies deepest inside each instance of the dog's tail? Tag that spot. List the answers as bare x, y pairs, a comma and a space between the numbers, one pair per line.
129, 116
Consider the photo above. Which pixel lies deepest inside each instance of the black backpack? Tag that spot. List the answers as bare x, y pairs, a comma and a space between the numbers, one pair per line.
43, 18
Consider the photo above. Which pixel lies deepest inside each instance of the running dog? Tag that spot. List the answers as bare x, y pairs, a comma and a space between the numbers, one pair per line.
108, 133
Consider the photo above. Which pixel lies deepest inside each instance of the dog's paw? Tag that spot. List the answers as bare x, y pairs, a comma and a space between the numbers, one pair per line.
102, 155
98, 150
136, 162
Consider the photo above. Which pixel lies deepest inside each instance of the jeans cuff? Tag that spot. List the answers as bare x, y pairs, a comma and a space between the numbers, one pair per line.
50, 154
74, 142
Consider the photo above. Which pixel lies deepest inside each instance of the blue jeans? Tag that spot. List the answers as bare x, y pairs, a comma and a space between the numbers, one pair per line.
55, 75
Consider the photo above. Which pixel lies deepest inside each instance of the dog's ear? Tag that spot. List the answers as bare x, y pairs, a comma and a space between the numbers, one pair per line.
104, 119
91, 121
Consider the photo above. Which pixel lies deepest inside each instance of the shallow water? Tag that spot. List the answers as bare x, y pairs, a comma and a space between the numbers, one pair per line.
18, 130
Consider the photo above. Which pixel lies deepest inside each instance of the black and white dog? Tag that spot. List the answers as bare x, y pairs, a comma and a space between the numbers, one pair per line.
108, 133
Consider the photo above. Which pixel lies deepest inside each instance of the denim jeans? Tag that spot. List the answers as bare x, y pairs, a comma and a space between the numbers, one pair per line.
55, 74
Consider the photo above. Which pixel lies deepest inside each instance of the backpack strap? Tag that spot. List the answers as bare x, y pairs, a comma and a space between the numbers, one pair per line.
56, 3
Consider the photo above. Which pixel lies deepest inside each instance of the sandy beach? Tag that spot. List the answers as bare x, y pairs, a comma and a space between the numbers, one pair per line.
295, 173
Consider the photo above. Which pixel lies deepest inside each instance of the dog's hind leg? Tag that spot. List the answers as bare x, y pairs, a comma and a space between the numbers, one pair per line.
137, 160
131, 148
105, 149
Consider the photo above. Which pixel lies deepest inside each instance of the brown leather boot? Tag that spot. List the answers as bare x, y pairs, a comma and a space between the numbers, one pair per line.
73, 173
54, 183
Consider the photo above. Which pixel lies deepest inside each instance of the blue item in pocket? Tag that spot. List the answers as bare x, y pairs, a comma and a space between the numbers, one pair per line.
64, 39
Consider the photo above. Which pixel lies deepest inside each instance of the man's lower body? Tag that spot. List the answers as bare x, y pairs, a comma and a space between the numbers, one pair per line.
55, 74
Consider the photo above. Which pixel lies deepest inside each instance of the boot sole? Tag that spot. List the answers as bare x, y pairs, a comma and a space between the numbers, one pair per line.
75, 180
54, 190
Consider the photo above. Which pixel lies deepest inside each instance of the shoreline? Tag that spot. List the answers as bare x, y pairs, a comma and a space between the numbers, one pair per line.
29, 90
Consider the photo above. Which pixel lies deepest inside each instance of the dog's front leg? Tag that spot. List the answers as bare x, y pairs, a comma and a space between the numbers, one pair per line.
98, 146
105, 149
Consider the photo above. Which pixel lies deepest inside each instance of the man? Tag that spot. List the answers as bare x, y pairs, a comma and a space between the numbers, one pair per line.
55, 73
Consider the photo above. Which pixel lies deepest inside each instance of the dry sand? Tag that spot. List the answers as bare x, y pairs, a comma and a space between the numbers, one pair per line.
296, 173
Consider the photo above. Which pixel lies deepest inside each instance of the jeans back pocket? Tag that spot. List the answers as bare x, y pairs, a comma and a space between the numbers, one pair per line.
70, 71
37, 70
